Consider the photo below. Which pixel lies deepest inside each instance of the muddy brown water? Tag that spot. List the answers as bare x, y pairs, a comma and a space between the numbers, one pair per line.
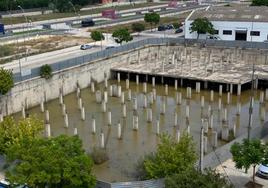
124, 153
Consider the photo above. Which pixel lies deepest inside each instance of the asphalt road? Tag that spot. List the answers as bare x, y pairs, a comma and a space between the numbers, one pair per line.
120, 19
59, 55
76, 19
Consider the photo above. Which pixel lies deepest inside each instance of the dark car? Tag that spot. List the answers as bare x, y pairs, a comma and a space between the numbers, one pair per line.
179, 30
87, 22
161, 28
109, 47
169, 26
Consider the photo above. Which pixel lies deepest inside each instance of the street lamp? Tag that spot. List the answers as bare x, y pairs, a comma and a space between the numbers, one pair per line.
26, 51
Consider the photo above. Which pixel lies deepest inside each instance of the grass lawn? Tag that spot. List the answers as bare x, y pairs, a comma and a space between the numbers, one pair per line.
16, 20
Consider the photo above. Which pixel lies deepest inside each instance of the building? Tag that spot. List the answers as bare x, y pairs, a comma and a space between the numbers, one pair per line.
239, 23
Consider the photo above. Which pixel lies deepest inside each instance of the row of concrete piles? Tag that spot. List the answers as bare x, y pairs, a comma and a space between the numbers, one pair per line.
148, 99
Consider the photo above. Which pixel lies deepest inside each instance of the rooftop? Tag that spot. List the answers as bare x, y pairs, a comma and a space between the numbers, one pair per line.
244, 14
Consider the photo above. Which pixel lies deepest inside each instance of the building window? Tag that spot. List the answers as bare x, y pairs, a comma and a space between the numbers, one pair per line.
216, 32
254, 33
227, 32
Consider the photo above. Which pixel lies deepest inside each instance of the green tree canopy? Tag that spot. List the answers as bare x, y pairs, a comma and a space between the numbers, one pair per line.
97, 36
61, 5
248, 153
12, 133
54, 162
6, 81
170, 157
152, 18
122, 35
202, 26
193, 178
259, 3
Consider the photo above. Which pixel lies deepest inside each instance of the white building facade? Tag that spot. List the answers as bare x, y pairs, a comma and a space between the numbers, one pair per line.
232, 24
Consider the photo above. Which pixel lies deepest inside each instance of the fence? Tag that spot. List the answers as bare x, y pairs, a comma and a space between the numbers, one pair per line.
157, 183
84, 59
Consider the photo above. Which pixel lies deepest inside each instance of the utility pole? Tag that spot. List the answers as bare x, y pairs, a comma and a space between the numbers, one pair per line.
251, 101
26, 50
201, 153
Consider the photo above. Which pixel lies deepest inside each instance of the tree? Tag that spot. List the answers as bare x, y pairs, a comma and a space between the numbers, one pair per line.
138, 27
193, 178
259, 3
248, 153
97, 36
46, 71
122, 35
13, 133
54, 162
201, 26
152, 18
6, 81
170, 157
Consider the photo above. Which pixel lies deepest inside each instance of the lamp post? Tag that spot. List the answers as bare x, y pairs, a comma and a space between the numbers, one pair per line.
251, 100
26, 51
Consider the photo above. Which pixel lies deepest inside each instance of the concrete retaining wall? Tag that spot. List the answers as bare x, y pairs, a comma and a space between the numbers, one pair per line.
31, 92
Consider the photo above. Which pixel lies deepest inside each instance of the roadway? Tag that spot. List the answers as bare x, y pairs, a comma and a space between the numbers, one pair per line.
125, 15
121, 20
78, 19
73, 52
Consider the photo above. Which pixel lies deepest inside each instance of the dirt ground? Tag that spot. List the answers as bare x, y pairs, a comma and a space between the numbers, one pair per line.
11, 52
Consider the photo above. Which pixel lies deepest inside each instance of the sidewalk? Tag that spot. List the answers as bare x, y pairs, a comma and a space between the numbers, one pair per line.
238, 177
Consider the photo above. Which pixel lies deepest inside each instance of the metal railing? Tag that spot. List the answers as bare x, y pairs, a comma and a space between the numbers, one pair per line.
154, 183
85, 59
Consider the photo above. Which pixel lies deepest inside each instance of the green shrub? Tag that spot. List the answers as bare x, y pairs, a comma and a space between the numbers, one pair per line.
46, 71
138, 27
99, 155
176, 25
6, 81
6, 50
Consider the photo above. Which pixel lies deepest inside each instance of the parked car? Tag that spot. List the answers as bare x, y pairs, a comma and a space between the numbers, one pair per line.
109, 47
6, 184
263, 171
85, 46
179, 30
161, 28
169, 26
87, 22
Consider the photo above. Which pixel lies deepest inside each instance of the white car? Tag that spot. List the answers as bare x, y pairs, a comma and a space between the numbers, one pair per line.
263, 171
6, 184
86, 46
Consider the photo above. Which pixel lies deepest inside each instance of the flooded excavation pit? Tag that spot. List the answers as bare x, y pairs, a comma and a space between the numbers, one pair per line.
154, 90
126, 118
